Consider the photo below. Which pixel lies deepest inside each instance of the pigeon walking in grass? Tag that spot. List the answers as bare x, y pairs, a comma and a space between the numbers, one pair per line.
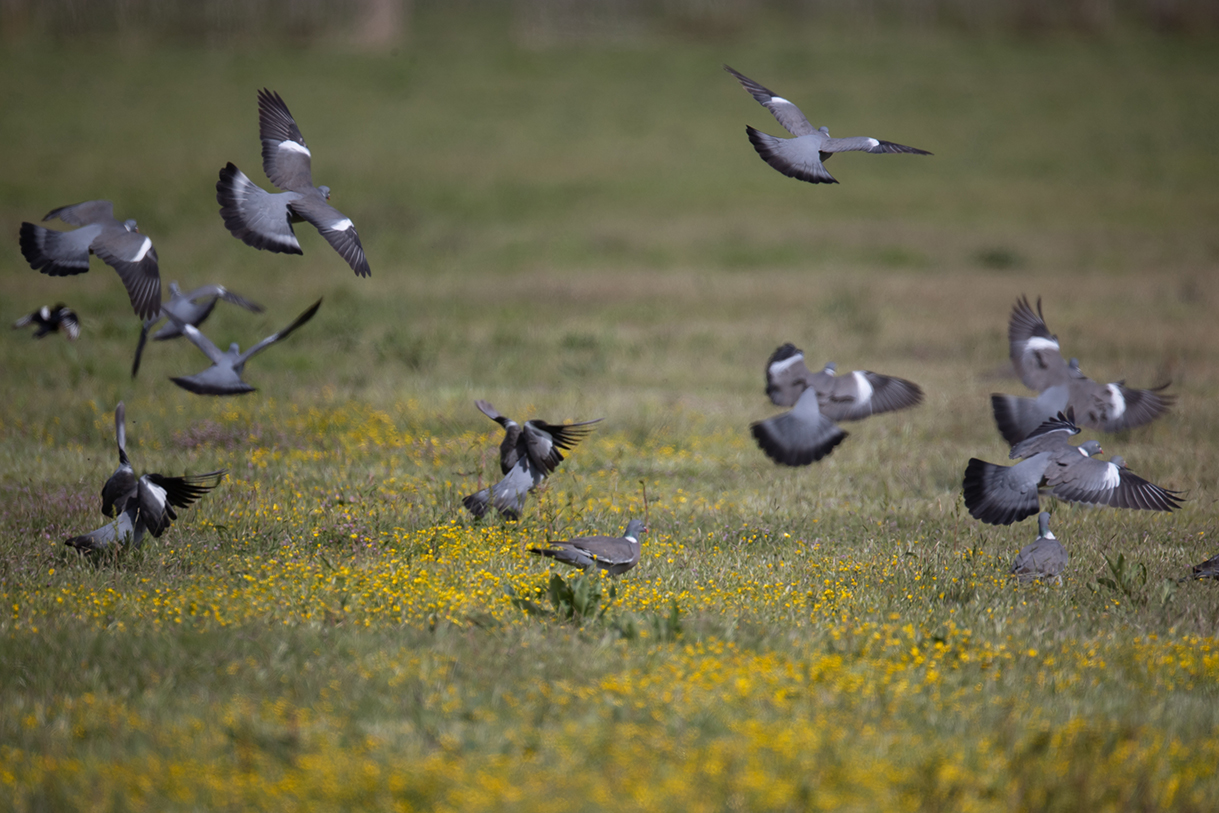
119, 244
224, 376
1043, 558
1062, 385
1002, 495
808, 432
143, 504
49, 320
190, 308
1204, 570
528, 454
613, 554
805, 155
263, 219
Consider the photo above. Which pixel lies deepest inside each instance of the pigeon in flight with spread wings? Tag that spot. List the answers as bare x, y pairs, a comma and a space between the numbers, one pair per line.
224, 376
808, 431
191, 308
49, 320
119, 244
1035, 354
804, 156
1001, 495
263, 219
527, 455
141, 504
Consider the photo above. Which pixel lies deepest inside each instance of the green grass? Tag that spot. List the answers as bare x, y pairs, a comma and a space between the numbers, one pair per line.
583, 230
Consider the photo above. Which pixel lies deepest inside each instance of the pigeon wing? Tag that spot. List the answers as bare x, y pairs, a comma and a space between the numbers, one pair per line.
336, 227
863, 393
283, 334
864, 144
786, 113
285, 156
1034, 350
800, 436
132, 255
787, 377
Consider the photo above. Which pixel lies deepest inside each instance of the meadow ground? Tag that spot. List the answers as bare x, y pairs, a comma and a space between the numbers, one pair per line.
576, 230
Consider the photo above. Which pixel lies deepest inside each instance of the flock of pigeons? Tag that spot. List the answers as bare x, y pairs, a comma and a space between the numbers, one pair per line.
1037, 428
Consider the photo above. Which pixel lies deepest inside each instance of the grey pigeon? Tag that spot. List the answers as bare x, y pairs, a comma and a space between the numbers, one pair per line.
1035, 355
48, 320
119, 245
191, 308
808, 433
1002, 495
613, 554
528, 454
1043, 558
224, 376
804, 156
264, 220
127, 530
153, 496
1204, 570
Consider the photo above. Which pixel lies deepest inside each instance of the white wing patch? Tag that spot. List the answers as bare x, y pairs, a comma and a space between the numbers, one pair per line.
865, 386
1116, 401
1113, 476
292, 146
139, 255
780, 366
342, 225
872, 142
1040, 343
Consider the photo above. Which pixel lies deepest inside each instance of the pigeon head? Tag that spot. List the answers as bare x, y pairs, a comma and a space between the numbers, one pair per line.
325, 190
1118, 461
1043, 524
235, 349
174, 290
824, 130
1091, 448
130, 225
634, 529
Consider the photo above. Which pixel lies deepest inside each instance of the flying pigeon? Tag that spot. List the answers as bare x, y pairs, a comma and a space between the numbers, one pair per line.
191, 309
119, 245
804, 156
527, 455
1035, 355
613, 554
1043, 558
126, 530
224, 376
153, 496
48, 320
263, 219
808, 431
1002, 495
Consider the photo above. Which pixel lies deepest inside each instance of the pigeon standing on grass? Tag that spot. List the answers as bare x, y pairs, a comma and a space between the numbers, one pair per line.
808, 431
224, 376
263, 219
1043, 558
48, 320
1002, 495
119, 244
528, 454
191, 308
804, 156
613, 554
1062, 385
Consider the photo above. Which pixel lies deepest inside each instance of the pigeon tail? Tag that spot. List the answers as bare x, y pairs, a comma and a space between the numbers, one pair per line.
983, 482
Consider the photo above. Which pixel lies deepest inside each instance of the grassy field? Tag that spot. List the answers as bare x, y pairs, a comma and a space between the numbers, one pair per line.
577, 230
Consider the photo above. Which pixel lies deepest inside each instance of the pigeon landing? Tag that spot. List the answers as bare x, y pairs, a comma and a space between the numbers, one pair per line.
144, 504
191, 309
264, 220
804, 156
1043, 558
1001, 495
119, 245
613, 554
224, 376
1036, 357
808, 432
527, 455
49, 320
